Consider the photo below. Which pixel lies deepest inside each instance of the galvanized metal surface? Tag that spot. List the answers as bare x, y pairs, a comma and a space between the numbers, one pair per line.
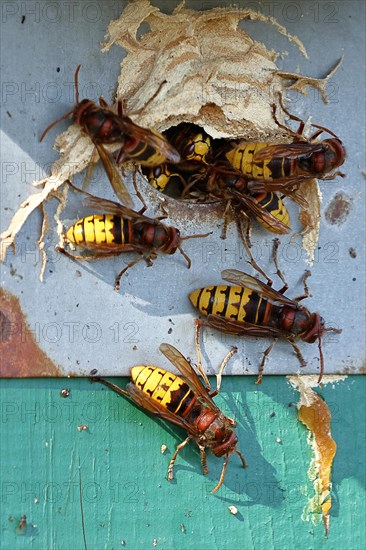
76, 317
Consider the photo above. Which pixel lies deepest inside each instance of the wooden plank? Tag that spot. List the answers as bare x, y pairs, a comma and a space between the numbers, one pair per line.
124, 491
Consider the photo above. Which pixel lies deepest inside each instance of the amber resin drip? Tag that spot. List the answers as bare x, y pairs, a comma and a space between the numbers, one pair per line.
315, 414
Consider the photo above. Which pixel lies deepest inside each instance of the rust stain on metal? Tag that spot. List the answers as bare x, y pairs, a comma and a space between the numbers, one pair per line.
338, 209
363, 368
354, 369
19, 352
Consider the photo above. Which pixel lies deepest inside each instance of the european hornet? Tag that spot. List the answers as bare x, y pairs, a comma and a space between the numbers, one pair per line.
282, 167
273, 204
194, 147
225, 183
119, 229
228, 185
193, 144
163, 175
105, 127
216, 180
252, 308
202, 179
186, 402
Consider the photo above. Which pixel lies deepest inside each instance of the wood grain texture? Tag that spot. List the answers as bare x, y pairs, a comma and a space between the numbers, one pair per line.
125, 494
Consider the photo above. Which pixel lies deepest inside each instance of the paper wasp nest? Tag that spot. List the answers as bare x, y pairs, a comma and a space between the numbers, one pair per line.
198, 67
191, 66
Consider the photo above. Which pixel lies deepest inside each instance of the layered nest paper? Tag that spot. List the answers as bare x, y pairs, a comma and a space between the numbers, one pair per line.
190, 66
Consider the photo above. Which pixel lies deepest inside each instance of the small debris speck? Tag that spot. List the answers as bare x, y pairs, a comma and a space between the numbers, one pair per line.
65, 392
272, 414
163, 448
278, 440
82, 428
233, 510
36, 501
93, 372
170, 330
22, 525
123, 543
155, 542
182, 527
352, 252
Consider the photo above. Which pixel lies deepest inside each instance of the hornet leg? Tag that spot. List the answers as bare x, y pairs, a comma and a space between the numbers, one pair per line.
131, 264
299, 355
198, 324
171, 463
252, 261
265, 355
306, 294
276, 243
203, 459
226, 214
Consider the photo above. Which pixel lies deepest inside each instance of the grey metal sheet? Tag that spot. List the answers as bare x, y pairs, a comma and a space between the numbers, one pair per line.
76, 317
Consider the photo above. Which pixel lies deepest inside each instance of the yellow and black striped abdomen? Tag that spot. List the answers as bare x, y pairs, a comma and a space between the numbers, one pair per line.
144, 153
231, 302
165, 388
243, 158
100, 229
275, 206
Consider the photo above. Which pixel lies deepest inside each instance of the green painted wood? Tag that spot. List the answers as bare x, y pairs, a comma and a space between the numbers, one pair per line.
124, 491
